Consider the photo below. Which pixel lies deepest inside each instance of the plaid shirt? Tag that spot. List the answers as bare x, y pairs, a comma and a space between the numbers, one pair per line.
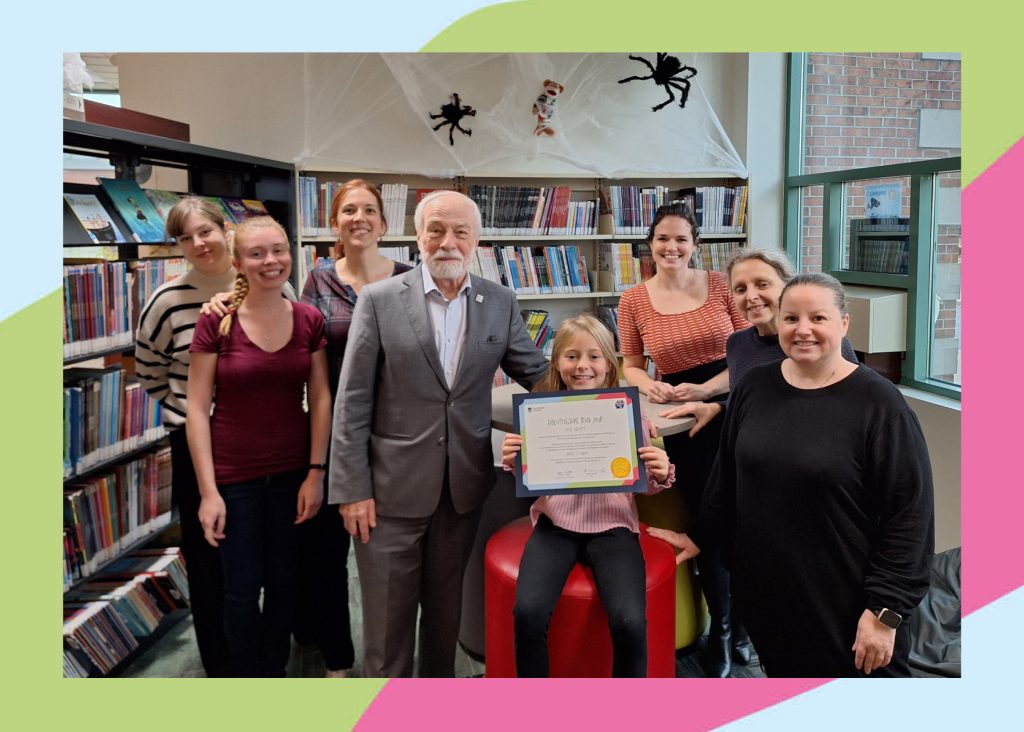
336, 301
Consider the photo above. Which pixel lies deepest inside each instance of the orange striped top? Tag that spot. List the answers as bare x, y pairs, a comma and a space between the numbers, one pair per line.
682, 340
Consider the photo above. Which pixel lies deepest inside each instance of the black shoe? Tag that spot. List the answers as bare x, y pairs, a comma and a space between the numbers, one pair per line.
714, 581
743, 652
717, 662
742, 649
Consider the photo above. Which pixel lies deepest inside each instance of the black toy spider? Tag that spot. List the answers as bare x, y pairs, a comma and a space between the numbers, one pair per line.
452, 113
670, 73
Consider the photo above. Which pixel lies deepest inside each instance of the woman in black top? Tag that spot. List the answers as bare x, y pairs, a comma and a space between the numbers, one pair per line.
822, 496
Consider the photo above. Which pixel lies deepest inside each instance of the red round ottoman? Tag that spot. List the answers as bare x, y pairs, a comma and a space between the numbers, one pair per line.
579, 643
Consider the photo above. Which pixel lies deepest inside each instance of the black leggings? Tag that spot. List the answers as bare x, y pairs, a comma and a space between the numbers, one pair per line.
617, 562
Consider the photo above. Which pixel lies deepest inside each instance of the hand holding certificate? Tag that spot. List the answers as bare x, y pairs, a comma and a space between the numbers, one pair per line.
583, 441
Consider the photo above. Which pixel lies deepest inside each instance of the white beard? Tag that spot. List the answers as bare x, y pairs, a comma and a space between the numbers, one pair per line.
446, 269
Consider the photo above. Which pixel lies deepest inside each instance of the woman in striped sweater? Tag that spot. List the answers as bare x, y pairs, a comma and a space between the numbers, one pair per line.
166, 327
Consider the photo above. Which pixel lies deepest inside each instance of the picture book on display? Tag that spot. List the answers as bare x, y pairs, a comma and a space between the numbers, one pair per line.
254, 207
224, 210
135, 209
882, 200
163, 201
93, 217
237, 209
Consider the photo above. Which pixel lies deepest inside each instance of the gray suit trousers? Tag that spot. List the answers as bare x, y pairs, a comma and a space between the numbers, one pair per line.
410, 559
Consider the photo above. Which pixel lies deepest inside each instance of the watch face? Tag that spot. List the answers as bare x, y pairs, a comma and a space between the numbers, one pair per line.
889, 618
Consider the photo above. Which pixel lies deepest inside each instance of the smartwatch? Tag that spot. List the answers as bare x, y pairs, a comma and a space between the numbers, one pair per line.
888, 618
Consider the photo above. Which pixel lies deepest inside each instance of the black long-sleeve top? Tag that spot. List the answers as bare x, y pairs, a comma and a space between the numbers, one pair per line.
823, 498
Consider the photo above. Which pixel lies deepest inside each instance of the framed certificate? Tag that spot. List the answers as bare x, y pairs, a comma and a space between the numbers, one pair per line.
579, 442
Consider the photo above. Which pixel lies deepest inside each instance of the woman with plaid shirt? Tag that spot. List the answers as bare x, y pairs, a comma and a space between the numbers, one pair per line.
357, 217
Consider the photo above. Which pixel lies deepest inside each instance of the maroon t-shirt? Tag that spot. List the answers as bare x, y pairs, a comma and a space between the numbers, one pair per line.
259, 426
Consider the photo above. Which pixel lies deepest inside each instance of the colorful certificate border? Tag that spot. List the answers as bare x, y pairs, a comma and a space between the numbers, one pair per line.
635, 482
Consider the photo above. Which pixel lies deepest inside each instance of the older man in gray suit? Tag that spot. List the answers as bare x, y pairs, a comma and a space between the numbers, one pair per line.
411, 459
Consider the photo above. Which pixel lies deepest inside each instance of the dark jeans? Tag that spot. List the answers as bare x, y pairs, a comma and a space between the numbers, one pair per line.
617, 562
322, 615
260, 551
202, 563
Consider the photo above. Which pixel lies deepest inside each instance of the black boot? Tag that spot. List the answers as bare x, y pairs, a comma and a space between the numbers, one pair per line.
714, 581
742, 648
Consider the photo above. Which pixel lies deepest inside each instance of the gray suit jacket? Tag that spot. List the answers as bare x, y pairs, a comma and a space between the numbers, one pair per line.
396, 422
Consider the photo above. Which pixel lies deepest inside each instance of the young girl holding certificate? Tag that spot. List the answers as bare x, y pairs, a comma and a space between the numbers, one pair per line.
598, 529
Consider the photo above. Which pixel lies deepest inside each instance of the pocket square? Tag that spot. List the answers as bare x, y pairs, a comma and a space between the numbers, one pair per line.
491, 339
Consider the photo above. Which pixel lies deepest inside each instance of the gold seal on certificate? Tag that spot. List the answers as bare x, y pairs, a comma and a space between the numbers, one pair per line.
579, 442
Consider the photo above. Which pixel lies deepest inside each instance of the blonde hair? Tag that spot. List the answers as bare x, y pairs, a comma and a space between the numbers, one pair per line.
240, 233
570, 328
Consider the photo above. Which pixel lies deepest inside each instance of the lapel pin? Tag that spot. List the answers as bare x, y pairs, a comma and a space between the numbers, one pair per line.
479, 298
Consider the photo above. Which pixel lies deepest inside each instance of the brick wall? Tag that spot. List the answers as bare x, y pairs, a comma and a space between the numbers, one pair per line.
863, 109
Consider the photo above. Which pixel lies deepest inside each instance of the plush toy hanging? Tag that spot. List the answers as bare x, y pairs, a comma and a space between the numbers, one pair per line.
452, 114
544, 108
668, 72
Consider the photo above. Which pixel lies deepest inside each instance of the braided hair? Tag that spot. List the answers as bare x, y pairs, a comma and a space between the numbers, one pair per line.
237, 295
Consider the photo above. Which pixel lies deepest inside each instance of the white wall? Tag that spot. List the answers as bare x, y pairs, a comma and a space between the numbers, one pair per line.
766, 147
252, 103
940, 422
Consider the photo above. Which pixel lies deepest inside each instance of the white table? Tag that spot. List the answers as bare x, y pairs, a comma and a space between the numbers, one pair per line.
501, 412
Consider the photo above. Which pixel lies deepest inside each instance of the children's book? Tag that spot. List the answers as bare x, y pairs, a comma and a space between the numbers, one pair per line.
254, 207
135, 209
163, 201
882, 200
98, 224
219, 203
237, 209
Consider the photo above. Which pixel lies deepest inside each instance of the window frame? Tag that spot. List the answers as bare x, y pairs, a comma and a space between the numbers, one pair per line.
918, 281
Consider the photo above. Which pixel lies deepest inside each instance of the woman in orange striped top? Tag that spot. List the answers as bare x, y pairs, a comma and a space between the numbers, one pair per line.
682, 317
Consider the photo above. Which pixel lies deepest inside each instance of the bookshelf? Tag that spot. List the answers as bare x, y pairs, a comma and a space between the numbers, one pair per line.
117, 459
607, 211
879, 245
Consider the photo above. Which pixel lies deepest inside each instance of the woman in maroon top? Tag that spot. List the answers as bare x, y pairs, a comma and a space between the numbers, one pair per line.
260, 457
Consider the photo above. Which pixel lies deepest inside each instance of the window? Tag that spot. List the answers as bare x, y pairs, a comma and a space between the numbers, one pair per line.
944, 291
873, 189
